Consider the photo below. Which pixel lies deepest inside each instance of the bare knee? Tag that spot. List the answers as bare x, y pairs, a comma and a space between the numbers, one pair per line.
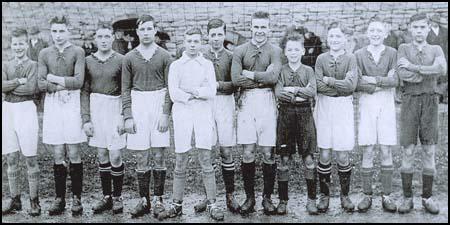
74, 153
368, 156
115, 157
284, 162
32, 162
158, 157
386, 155
103, 156
249, 153
428, 157
59, 154
204, 157
227, 154
181, 160
343, 158
268, 155
142, 160
325, 156
13, 160
308, 161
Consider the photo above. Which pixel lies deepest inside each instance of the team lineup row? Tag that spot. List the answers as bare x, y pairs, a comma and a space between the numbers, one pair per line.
116, 101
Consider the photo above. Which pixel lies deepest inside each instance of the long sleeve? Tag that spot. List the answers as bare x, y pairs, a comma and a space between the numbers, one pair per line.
85, 98
126, 88
8, 85
236, 72
176, 94
403, 73
311, 88
208, 90
348, 84
43, 84
322, 88
226, 87
167, 108
389, 81
29, 88
439, 66
76, 82
271, 76
279, 87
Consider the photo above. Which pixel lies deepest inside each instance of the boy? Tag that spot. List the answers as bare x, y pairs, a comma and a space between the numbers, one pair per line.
295, 90
146, 109
223, 109
20, 122
192, 87
61, 76
255, 69
336, 75
419, 66
101, 114
378, 124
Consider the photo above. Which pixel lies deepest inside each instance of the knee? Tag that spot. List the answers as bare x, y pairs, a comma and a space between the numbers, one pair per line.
226, 154
12, 160
409, 151
248, 156
268, 157
343, 159
115, 158
103, 157
325, 156
386, 155
74, 153
32, 162
181, 162
309, 162
204, 157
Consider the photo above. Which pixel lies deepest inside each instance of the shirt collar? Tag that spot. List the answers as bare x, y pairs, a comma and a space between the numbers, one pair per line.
185, 58
435, 30
67, 45
417, 47
256, 45
20, 62
218, 53
152, 49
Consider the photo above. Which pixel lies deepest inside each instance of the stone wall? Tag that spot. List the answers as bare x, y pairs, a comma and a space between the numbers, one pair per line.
176, 16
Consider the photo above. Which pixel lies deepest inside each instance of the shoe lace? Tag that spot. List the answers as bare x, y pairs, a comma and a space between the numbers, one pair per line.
429, 201
174, 207
387, 198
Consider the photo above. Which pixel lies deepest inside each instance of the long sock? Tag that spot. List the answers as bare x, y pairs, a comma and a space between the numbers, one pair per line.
283, 180
311, 177
367, 176
407, 177
105, 178
427, 182
14, 188
324, 171
76, 176
209, 180
269, 172
386, 178
248, 174
144, 183
179, 180
60, 175
33, 182
117, 174
228, 176
345, 173
159, 178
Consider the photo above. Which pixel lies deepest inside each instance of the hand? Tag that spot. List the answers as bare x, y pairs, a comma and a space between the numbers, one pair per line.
404, 63
51, 78
286, 96
248, 74
22, 80
299, 99
130, 126
270, 67
88, 129
370, 80
60, 88
326, 80
121, 128
391, 73
292, 90
311, 50
189, 90
163, 123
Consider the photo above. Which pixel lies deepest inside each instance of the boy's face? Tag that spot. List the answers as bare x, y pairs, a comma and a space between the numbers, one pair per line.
146, 32
336, 39
104, 39
19, 46
260, 30
419, 30
192, 43
60, 33
33, 36
376, 32
216, 37
294, 51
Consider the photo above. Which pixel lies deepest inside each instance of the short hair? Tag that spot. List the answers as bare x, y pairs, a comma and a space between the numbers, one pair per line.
59, 20
216, 23
291, 35
341, 26
104, 25
145, 18
19, 32
260, 15
192, 31
417, 17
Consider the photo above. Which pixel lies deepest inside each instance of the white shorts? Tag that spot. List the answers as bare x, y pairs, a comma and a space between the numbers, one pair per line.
335, 122
147, 108
224, 131
106, 118
195, 116
62, 118
257, 117
19, 128
378, 118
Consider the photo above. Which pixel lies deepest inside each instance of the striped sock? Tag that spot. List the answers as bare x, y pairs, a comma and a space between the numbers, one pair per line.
117, 174
345, 173
228, 176
105, 178
324, 171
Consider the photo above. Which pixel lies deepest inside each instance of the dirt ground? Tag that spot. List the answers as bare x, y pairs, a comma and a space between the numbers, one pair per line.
297, 190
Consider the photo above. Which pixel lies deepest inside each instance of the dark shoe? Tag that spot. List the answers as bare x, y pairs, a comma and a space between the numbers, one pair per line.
406, 206
282, 207
311, 207
201, 206
35, 207
215, 212
14, 205
248, 206
142, 208
159, 207
77, 207
365, 204
388, 204
430, 206
232, 204
324, 203
58, 206
269, 208
174, 210
117, 205
104, 204
347, 204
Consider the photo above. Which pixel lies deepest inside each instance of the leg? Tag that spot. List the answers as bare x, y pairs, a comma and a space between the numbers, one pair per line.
429, 169
324, 170
311, 177
14, 188
105, 177
33, 182
407, 170
159, 177
226, 154
345, 172
366, 177
283, 180
143, 174
117, 174
386, 172
248, 175
76, 176
269, 171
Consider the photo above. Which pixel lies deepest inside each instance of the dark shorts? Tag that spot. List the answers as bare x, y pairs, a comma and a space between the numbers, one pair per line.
419, 117
296, 129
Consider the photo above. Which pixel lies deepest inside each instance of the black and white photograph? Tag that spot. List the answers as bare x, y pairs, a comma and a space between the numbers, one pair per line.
225, 112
